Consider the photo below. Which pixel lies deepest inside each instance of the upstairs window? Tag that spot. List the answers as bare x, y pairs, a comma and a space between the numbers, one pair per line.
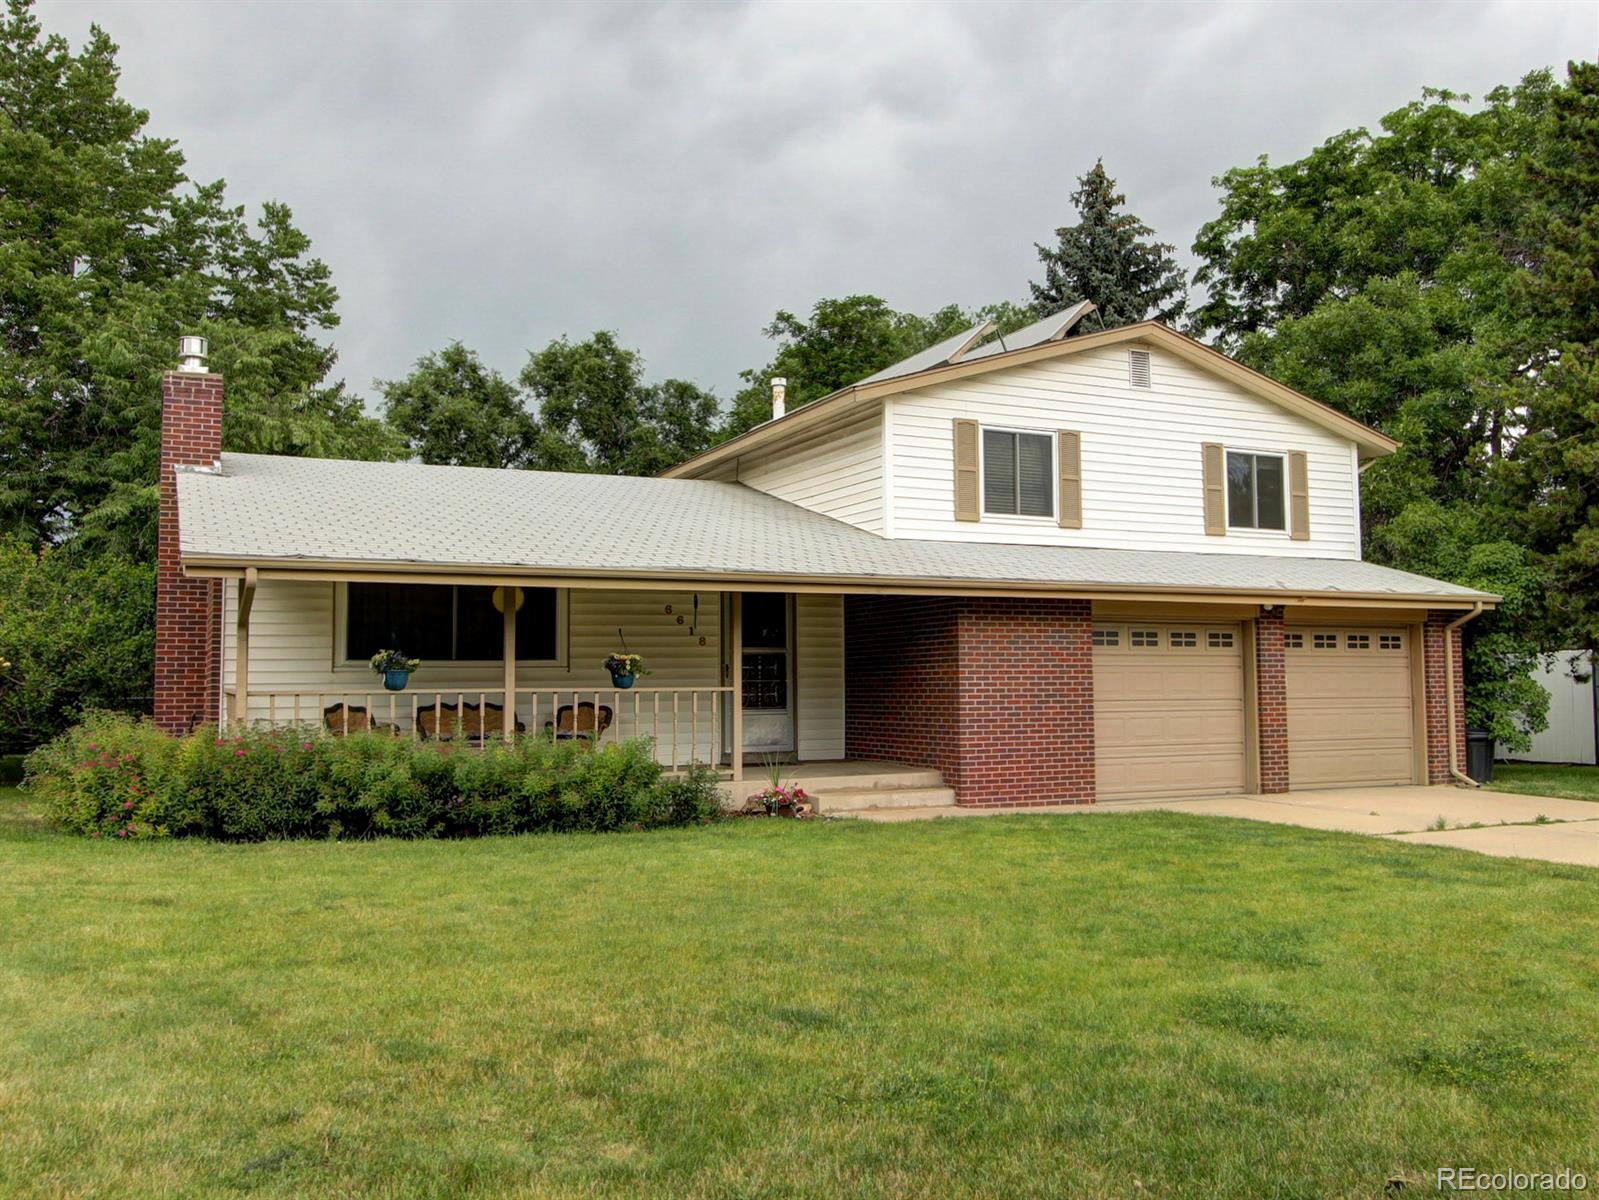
444, 623
1255, 492
1018, 474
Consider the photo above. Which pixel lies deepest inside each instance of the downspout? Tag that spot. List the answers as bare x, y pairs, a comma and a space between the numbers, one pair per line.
1449, 692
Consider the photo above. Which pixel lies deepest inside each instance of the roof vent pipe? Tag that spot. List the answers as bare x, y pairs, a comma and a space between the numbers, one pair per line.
779, 391
192, 351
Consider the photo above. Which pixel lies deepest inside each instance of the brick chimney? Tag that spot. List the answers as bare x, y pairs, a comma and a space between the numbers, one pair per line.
188, 612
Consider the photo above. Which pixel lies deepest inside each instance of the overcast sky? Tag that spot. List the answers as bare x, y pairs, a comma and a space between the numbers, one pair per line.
505, 173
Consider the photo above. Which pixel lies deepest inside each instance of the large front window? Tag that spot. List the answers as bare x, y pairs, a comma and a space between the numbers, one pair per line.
1255, 491
1018, 473
446, 623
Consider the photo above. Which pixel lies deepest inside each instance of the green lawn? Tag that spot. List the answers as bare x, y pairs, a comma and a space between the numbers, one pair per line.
1539, 779
1107, 1006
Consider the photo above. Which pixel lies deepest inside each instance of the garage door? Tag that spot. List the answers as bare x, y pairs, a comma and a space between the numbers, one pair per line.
1168, 709
1349, 706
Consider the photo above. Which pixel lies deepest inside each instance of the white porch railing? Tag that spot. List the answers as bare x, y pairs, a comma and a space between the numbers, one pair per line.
686, 724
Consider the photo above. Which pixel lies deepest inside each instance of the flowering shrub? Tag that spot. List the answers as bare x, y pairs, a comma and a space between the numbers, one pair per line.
113, 776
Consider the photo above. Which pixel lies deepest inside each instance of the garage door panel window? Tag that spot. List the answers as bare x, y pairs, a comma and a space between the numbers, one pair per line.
1390, 641
1219, 639
1256, 493
1146, 639
1184, 639
1018, 474
1108, 638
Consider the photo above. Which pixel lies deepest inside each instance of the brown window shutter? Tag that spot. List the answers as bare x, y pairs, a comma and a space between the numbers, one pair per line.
1215, 489
1298, 496
1069, 445
967, 506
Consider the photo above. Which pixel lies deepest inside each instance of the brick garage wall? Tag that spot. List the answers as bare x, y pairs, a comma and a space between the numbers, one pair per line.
1441, 658
997, 694
1271, 700
187, 611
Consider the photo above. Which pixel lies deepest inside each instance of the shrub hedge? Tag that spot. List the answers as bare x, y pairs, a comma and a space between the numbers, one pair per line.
116, 776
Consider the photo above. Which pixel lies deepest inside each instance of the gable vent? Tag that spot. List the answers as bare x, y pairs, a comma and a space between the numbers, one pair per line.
1138, 368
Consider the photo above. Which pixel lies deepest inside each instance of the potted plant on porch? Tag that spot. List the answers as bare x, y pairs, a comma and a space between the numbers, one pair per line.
395, 668
778, 799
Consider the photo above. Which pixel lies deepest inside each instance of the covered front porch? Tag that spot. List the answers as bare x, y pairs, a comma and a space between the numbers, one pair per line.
506, 657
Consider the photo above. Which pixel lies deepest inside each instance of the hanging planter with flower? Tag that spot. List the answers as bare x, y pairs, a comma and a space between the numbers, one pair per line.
395, 668
625, 668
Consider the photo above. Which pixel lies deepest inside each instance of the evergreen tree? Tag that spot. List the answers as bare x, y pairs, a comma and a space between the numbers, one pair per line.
1111, 258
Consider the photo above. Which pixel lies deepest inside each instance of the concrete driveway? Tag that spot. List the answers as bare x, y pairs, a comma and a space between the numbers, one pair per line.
1499, 823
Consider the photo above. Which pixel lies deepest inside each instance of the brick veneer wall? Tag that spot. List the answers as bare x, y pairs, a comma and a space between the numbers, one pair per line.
997, 694
1271, 700
187, 611
900, 681
1438, 660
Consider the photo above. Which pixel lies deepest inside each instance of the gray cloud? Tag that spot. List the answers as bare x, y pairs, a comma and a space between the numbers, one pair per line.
503, 173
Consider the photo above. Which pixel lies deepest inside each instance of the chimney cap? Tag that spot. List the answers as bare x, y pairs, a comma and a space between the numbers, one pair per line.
779, 391
192, 352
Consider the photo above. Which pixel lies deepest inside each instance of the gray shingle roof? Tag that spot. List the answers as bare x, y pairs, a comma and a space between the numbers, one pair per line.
265, 510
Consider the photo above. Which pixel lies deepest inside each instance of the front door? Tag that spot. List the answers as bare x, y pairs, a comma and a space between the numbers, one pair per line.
768, 673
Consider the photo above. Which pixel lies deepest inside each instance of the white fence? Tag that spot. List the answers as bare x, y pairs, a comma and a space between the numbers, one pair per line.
1573, 726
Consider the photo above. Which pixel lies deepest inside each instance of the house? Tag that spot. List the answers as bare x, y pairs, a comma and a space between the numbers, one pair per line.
1037, 570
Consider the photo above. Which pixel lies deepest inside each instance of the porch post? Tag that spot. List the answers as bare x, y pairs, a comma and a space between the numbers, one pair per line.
735, 656
510, 596
241, 649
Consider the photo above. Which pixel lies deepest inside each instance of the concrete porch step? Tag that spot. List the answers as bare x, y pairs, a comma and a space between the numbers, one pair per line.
835, 801
825, 777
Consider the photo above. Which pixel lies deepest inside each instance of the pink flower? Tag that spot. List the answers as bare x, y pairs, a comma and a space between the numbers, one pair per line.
127, 805
305, 745
219, 741
240, 753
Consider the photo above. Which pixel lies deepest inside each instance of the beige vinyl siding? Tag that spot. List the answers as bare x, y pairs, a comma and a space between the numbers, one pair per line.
838, 473
819, 674
1142, 477
293, 639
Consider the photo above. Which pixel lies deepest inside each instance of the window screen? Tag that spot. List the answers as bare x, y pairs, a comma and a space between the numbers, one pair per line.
1255, 491
442, 623
1018, 473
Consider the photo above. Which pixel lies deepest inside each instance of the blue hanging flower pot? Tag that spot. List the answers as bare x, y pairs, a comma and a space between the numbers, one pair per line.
622, 681
395, 681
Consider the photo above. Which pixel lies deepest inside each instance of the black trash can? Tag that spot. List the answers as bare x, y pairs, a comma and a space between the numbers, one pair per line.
1480, 755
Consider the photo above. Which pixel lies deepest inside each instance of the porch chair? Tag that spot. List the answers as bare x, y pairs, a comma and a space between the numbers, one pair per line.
579, 723
338, 719
439, 721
